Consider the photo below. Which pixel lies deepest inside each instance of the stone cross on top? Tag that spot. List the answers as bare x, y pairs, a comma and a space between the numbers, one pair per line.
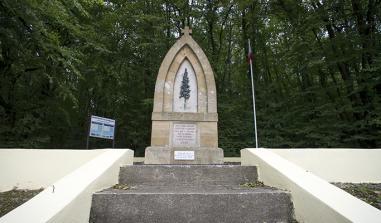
186, 31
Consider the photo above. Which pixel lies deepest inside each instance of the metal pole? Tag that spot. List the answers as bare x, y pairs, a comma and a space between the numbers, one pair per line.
253, 90
87, 142
88, 133
113, 138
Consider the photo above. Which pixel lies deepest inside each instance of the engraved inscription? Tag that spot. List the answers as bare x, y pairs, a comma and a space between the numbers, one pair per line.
184, 135
184, 155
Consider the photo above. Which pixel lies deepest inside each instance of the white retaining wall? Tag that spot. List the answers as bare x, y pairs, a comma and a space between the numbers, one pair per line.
337, 165
314, 199
36, 168
68, 200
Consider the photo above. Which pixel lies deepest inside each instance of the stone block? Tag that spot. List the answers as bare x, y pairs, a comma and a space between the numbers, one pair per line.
160, 133
191, 204
165, 155
187, 175
208, 134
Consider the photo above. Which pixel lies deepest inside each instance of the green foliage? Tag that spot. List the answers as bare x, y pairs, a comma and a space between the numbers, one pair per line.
316, 69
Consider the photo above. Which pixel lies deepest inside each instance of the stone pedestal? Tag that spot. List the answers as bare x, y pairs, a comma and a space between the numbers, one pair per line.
183, 155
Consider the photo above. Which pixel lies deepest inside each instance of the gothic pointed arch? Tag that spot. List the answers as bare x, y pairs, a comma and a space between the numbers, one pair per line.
185, 49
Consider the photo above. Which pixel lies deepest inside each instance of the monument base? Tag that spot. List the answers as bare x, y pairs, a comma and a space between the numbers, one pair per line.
183, 155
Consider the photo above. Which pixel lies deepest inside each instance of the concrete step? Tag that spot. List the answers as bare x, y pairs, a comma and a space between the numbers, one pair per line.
187, 174
211, 203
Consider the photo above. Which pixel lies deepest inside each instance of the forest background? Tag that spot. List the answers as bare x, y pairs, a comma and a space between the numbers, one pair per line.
317, 69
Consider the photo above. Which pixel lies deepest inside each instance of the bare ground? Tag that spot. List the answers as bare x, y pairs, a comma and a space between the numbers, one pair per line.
368, 192
10, 200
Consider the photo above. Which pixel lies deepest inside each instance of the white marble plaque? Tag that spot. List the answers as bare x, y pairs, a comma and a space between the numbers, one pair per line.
184, 155
184, 135
188, 103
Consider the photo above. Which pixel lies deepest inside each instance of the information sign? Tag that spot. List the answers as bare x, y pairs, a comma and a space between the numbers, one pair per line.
102, 127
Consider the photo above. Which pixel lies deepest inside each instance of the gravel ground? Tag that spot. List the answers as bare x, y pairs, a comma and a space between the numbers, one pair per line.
10, 200
370, 193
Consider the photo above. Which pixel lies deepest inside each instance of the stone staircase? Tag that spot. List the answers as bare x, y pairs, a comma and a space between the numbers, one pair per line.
190, 193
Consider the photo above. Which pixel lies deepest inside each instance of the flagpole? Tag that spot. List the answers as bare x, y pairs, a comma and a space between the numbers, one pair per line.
253, 91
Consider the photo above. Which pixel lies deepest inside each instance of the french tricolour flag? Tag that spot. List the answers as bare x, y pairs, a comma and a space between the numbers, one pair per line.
250, 55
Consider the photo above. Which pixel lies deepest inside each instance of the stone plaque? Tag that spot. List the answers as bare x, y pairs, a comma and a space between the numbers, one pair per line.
184, 155
184, 135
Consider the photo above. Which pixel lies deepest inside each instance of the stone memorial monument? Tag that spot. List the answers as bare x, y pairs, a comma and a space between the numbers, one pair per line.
184, 117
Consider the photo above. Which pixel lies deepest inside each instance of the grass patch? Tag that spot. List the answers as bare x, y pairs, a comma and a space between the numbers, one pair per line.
121, 186
10, 200
370, 193
253, 184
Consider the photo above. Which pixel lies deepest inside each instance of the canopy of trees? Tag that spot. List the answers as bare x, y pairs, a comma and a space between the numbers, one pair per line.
317, 69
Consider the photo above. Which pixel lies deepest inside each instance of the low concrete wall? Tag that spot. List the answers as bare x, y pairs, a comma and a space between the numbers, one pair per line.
35, 168
69, 199
338, 165
314, 199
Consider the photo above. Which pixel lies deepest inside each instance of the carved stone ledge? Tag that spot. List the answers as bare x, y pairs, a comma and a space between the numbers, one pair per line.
184, 116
